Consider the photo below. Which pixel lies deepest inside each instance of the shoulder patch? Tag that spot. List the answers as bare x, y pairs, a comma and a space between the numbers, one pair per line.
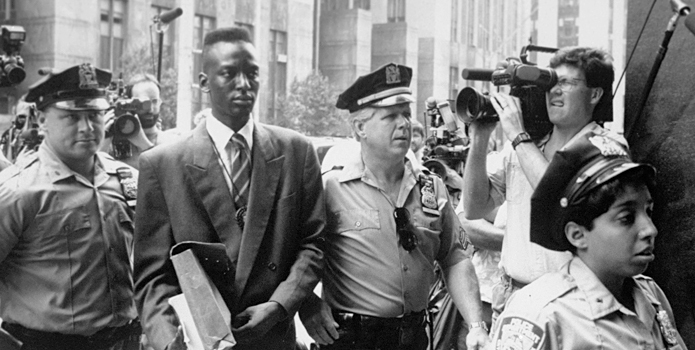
516, 333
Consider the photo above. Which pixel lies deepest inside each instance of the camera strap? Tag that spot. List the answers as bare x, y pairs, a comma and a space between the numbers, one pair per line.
129, 185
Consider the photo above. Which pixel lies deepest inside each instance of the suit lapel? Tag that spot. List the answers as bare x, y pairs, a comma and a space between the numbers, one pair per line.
208, 178
265, 173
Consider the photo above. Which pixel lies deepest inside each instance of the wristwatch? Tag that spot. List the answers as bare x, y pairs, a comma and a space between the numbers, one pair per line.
480, 324
522, 137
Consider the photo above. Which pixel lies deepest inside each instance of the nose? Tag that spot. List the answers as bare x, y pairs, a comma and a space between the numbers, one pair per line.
647, 228
85, 123
242, 82
555, 89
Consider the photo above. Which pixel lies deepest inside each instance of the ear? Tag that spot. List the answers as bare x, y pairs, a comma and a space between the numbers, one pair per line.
203, 82
40, 119
596, 94
576, 235
358, 128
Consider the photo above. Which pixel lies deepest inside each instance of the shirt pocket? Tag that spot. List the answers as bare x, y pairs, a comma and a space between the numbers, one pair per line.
357, 220
52, 231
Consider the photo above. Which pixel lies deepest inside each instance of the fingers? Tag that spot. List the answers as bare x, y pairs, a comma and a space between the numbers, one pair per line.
322, 331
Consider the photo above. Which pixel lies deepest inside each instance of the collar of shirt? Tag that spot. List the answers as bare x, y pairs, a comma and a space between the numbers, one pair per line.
57, 170
601, 301
222, 134
354, 169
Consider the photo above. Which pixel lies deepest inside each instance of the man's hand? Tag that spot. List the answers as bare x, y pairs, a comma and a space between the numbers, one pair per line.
140, 138
257, 320
178, 343
509, 110
477, 339
318, 321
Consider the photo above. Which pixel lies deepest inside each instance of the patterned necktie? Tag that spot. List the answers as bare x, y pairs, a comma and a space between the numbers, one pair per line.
241, 171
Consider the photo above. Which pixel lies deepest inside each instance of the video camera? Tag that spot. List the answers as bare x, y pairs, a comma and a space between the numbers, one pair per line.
11, 63
126, 122
528, 82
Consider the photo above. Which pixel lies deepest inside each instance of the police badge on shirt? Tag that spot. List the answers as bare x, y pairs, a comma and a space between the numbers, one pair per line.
428, 195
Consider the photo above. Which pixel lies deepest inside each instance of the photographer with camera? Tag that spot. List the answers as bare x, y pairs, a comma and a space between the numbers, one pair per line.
133, 126
66, 229
580, 98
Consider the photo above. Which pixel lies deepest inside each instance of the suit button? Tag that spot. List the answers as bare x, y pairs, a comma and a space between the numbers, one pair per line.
272, 266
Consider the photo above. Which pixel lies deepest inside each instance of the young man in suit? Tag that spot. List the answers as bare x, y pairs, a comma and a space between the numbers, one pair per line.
261, 196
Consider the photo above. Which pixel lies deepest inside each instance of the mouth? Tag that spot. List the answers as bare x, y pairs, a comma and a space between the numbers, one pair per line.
243, 100
647, 253
557, 103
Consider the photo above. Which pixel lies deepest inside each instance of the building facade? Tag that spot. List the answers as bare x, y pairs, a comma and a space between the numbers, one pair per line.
62, 33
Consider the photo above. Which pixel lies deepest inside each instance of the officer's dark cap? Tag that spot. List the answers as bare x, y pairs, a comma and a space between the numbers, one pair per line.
78, 88
386, 86
572, 175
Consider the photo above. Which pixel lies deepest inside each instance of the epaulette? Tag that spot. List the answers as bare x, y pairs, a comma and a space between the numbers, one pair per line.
335, 167
544, 290
129, 185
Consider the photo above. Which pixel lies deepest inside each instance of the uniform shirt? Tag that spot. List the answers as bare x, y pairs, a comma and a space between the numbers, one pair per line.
65, 246
367, 270
522, 260
572, 309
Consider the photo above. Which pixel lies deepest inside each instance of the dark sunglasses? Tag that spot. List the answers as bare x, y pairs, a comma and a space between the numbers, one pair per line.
406, 236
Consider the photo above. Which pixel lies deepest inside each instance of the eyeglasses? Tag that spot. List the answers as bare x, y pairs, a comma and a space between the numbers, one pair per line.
567, 85
406, 236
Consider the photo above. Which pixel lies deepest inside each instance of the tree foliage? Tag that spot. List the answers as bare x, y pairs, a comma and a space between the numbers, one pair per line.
140, 60
309, 108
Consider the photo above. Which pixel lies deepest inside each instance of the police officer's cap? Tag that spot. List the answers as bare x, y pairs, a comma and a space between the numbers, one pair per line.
81, 87
386, 86
572, 175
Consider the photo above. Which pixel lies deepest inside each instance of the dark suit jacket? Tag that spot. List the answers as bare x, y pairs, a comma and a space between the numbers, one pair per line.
182, 196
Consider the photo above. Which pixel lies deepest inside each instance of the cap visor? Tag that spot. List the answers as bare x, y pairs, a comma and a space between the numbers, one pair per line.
394, 100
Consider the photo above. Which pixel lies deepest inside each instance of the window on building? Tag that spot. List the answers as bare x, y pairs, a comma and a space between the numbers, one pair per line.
361, 4
248, 27
167, 43
112, 30
454, 21
7, 11
277, 64
470, 23
453, 82
201, 26
396, 11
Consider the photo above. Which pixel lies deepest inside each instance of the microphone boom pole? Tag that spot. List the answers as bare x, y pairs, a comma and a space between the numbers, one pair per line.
680, 9
162, 20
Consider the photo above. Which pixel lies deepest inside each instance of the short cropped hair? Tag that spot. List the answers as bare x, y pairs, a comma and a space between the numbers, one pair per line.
227, 35
142, 78
597, 66
362, 115
598, 201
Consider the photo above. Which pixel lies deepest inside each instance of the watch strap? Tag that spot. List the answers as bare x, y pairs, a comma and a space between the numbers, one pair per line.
480, 324
522, 137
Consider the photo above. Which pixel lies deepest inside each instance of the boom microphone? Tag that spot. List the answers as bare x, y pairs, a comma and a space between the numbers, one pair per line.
477, 74
680, 7
169, 16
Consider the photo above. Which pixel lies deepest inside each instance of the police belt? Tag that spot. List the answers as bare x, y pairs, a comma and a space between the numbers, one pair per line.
103, 338
357, 321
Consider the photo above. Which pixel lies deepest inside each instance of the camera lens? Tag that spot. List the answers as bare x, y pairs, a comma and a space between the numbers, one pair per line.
126, 125
472, 105
15, 74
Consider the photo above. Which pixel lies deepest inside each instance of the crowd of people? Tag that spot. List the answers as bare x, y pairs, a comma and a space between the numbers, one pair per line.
544, 250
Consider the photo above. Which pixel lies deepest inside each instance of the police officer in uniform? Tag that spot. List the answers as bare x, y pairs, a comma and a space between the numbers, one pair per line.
389, 220
66, 227
595, 202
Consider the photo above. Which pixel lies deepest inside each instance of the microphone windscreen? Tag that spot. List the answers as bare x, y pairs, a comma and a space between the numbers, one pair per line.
170, 15
690, 22
477, 74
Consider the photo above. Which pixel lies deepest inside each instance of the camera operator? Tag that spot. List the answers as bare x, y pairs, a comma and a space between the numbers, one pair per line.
581, 97
66, 228
143, 87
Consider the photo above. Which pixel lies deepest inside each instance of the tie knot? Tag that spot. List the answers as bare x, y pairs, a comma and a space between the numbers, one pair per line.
239, 140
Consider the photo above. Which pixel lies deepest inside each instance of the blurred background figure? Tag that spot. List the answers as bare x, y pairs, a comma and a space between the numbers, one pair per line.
417, 142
